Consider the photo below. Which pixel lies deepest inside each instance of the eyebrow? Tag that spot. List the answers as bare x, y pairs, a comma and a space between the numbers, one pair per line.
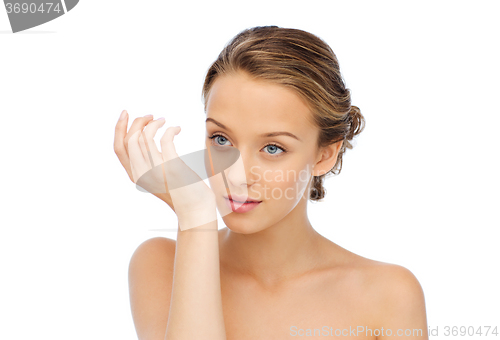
269, 134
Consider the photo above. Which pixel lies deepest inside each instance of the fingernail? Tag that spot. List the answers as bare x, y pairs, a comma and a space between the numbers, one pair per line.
123, 115
161, 118
148, 116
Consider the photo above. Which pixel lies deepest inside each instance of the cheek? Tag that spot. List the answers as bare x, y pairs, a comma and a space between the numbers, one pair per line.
287, 184
296, 184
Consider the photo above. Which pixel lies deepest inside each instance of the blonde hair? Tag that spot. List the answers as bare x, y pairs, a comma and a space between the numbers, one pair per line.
305, 63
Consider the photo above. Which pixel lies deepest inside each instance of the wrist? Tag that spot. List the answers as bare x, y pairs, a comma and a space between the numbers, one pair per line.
198, 217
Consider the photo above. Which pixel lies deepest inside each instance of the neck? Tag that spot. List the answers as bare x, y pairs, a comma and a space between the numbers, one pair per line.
280, 252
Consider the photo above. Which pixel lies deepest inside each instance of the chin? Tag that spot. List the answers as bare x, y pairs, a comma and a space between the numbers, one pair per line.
241, 225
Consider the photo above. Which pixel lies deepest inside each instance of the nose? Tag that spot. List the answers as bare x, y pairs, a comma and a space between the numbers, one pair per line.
239, 174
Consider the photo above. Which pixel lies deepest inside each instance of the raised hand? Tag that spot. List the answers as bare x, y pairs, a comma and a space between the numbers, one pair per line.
121, 143
191, 199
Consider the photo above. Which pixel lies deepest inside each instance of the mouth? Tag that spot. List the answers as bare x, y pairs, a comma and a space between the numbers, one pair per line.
242, 205
241, 200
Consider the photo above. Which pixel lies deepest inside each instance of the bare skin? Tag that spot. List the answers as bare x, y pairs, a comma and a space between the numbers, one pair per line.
344, 290
279, 278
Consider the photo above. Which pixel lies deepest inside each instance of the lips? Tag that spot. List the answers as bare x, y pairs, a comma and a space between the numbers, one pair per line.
241, 199
240, 207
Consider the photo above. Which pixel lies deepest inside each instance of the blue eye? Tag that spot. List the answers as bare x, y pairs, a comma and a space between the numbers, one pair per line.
219, 137
272, 148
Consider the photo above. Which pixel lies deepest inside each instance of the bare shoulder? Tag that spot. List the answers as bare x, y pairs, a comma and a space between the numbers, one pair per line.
376, 278
393, 295
396, 279
155, 244
391, 285
150, 277
389, 294
151, 254
384, 282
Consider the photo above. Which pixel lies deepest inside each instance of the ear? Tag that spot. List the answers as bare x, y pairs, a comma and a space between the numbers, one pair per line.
327, 158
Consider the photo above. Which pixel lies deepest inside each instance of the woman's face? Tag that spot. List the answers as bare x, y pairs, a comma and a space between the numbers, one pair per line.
275, 169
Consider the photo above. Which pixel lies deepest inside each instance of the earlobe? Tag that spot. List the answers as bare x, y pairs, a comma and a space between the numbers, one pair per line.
320, 173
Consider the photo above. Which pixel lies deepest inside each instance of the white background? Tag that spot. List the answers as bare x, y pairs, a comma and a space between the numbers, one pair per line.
419, 189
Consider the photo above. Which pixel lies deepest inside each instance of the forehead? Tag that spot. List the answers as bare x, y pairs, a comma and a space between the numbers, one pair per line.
240, 101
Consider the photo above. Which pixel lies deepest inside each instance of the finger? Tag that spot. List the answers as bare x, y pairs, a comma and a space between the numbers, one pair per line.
137, 161
119, 143
167, 143
137, 125
148, 134
144, 149
143, 143
120, 133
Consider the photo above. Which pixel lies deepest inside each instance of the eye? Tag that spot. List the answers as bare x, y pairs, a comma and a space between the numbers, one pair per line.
273, 149
219, 138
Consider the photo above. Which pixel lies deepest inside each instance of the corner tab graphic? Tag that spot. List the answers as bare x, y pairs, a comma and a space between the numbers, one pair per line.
25, 15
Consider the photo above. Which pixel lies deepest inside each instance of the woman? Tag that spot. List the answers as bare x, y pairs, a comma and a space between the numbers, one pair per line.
277, 96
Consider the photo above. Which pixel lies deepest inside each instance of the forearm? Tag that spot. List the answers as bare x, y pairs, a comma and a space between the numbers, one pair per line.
196, 303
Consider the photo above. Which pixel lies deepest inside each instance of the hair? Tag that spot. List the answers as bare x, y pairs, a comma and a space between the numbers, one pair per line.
305, 63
